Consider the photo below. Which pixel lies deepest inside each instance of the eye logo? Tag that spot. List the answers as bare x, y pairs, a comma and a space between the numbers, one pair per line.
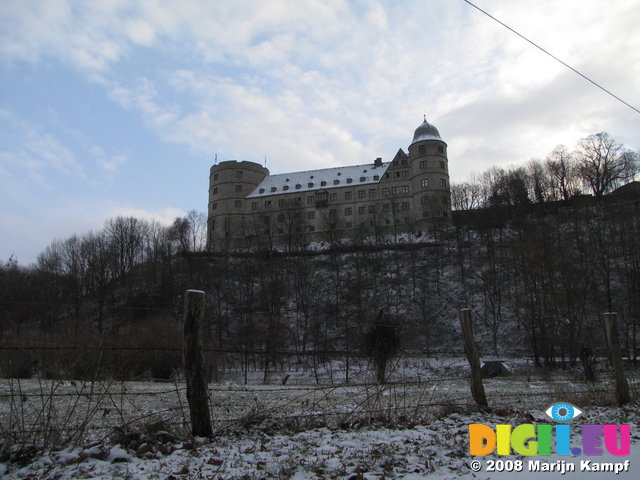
563, 412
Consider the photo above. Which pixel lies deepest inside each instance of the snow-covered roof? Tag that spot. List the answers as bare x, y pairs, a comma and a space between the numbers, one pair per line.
325, 178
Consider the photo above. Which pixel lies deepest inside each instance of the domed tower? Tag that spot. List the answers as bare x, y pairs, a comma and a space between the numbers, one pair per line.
229, 184
430, 173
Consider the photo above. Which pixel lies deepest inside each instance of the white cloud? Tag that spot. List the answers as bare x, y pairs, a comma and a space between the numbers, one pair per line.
165, 216
314, 83
25, 149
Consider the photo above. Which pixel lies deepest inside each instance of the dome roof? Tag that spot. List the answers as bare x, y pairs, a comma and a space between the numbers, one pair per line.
426, 131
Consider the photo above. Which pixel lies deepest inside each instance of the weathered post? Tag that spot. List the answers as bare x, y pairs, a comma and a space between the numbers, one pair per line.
477, 387
622, 388
194, 367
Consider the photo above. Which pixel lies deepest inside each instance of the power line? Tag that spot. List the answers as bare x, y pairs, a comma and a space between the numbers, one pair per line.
552, 56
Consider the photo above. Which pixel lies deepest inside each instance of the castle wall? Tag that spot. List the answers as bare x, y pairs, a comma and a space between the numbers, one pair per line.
408, 194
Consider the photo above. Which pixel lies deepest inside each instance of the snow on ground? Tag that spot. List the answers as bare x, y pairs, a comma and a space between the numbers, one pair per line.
437, 450
412, 430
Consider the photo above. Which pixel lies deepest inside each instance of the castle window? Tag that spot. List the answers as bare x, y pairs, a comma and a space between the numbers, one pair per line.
323, 183
362, 193
361, 210
423, 165
237, 203
404, 161
267, 204
349, 180
442, 164
372, 209
405, 206
424, 182
282, 203
333, 197
310, 185
376, 177
398, 174
348, 195
336, 182
273, 189
424, 200
404, 189
215, 176
362, 179
348, 211
215, 190
372, 192
394, 190
349, 224
421, 149
254, 205
285, 188
385, 192
443, 182
440, 149
238, 188
333, 212
214, 206
298, 186
322, 198
238, 173
310, 200
311, 215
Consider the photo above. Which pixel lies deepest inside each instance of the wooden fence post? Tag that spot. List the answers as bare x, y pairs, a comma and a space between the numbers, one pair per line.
622, 388
477, 387
194, 367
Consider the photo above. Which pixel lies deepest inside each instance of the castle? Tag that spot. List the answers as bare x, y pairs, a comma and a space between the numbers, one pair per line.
250, 208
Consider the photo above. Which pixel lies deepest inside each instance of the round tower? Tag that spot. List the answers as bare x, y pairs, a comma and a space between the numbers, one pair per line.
229, 184
430, 173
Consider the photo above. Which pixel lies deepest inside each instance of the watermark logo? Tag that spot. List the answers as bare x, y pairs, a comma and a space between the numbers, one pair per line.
563, 412
528, 439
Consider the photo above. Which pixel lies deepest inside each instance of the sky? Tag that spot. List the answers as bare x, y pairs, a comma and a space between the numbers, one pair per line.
120, 107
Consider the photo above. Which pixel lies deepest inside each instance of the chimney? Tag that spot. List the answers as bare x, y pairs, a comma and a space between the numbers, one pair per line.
378, 162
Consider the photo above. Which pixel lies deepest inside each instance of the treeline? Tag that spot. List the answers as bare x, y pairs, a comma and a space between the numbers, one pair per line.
98, 287
537, 281
597, 166
537, 286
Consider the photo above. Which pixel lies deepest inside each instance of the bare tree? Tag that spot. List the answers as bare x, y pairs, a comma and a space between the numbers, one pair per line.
539, 182
561, 167
604, 164
466, 195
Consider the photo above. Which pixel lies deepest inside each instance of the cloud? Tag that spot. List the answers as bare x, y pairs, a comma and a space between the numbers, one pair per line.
110, 164
165, 216
320, 83
25, 149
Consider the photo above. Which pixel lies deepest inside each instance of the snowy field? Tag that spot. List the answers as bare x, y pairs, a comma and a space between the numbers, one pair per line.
408, 429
